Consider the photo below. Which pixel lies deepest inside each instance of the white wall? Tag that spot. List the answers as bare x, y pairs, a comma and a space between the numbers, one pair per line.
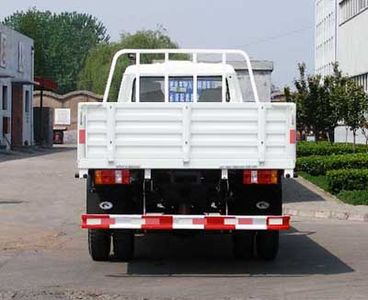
353, 45
18, 69
325, 36
344, 135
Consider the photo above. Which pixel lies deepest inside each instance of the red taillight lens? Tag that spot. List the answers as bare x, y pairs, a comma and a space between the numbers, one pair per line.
260, 177
106, 177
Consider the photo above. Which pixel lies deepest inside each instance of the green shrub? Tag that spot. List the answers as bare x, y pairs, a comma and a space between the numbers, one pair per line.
348, 180
359, 197
325, 148
319, 165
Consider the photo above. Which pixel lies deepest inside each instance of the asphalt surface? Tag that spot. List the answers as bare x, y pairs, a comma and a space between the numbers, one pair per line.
43, 252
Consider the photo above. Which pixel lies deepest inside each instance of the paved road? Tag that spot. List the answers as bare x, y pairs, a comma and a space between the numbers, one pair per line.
43, 253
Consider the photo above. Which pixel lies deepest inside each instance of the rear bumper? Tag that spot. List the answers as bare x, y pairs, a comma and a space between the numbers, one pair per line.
185, 222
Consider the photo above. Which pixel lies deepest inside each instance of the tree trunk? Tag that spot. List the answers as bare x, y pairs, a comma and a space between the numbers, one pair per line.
346, 135
331, 135
354, 139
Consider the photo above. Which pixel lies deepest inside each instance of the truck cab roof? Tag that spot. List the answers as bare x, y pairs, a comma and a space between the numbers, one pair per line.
180, 68
210, 76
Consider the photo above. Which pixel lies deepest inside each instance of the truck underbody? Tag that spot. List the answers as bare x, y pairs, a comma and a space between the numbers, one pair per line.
188, 201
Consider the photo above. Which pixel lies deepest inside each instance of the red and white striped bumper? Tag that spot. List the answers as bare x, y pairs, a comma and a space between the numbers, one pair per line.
177, 222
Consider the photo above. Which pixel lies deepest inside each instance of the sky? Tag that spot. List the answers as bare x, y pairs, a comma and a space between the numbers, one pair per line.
280, 31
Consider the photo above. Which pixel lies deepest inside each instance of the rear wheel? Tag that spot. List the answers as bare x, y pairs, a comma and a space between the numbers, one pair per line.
267, 243
99, 242
123, 242
243, 245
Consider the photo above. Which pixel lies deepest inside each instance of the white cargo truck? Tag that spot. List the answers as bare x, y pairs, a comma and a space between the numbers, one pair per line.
181, 150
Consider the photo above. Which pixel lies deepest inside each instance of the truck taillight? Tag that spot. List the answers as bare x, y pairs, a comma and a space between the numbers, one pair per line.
260, 177
108, 177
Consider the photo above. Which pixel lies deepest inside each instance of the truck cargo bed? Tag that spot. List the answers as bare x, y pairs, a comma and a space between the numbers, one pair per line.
186, 135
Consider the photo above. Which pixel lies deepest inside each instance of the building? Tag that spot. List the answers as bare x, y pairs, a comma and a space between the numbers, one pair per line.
352, 49
65, 111
353, 52
262, 74
16, 89
326, 12
341, 36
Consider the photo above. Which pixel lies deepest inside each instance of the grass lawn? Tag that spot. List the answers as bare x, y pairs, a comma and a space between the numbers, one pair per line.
320, 181
354, 197
349, 197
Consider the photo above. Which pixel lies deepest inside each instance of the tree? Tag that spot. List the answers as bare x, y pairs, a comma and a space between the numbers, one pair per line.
94, 75
356, 108
298, 98
365, 132
334, 99
62, 42
323, 102
313, 105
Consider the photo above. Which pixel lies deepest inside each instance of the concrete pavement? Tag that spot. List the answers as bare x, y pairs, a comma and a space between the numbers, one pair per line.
43, 252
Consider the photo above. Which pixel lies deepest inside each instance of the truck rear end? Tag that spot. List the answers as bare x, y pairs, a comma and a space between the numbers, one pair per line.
182, 151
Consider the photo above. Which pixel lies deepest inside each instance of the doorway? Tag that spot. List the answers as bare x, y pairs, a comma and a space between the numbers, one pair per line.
17, 116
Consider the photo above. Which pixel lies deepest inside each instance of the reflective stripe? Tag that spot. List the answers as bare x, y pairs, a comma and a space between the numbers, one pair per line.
189, 222
292, 136
82, 136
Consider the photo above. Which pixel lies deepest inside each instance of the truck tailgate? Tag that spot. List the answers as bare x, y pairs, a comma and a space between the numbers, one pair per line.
186, 135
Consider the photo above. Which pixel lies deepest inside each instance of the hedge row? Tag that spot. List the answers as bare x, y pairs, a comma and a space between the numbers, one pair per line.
319, 165
347, 180
359, 197
325, 148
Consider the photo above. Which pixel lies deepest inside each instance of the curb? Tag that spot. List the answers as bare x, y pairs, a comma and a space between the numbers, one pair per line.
339, 214
326, 214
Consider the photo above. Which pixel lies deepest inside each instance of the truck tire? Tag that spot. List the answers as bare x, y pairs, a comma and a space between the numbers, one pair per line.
243, 245
99, 244
267, 244
123, 243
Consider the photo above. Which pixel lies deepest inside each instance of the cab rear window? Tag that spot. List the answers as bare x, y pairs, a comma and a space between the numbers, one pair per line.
209, 89
152, 89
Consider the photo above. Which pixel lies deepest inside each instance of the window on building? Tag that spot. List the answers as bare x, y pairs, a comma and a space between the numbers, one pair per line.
362, 80
5, 97
27, 102
350, 8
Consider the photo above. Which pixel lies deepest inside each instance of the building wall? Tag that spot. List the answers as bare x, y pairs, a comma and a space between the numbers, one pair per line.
325, 36
343, 134
262, 74
16, 68
70, 101
263, 83
353, 39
